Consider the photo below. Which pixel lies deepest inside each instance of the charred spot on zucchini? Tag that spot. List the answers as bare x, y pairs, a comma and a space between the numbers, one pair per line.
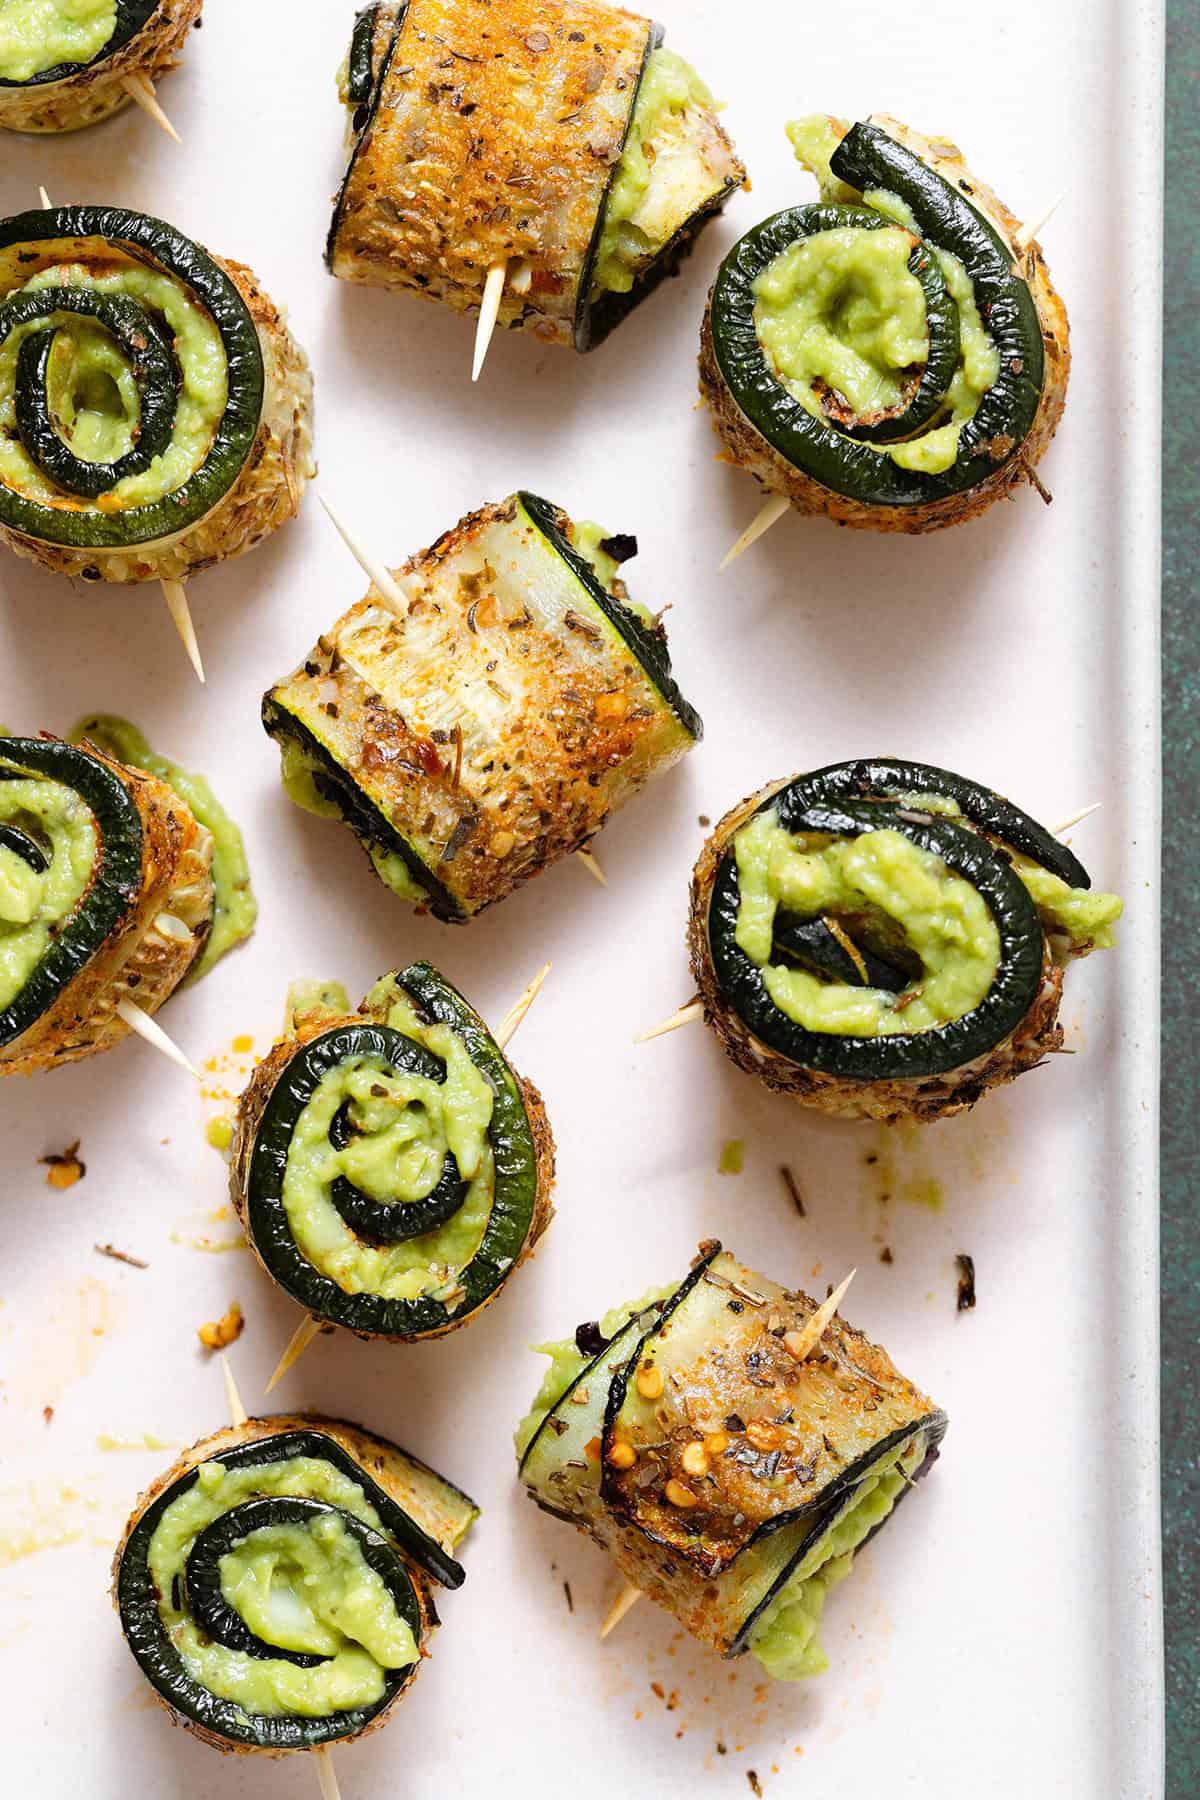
276, 1590
730, 1481
886, 937
390, 1169
493, 728
881, 351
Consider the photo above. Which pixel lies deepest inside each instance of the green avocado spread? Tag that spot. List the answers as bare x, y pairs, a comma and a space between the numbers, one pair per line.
236, 909
567, 1361
890, 893
302, 775
589, 540
93, 392
36, 35
636, 229
403, 1127
300, 1587
785, 1640
36, 903
841, 312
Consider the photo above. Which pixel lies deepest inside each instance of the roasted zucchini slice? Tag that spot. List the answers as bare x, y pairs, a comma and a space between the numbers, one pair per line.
390, 1167
603, 147
884, 939
730, 1471
106, 893
493, 728
64, 63
155, 412
890, 357
276, 1585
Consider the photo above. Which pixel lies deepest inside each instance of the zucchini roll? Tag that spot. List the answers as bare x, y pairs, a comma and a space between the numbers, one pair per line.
106, 894
155, 412
730, 1460
493, 728
276, 1585
64, 63
888, 355
390, 1167
556, 137
886, 940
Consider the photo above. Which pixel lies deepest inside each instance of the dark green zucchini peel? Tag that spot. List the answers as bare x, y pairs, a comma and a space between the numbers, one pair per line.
398, 1546
131, 15
649, 647
116, 878
34, 241
846, 800
514, 1201
840, 455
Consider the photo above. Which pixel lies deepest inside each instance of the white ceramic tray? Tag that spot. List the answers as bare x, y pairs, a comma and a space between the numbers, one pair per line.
1003, 1635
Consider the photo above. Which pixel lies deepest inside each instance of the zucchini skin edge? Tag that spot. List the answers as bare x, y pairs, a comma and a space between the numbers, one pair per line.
135, 1602
153, 242
896, 1094
116, 878
521, 1142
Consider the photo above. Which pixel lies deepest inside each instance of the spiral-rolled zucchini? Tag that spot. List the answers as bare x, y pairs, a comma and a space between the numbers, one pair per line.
888, 356
106, 894
155, 412
556, 137
390, 1167
887, 940
64, 63
730, 1462
276, 1584
492, 729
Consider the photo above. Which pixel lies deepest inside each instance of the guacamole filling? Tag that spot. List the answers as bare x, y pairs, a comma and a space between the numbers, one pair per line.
567, 1361
888, 898
48, 849
841, 318
652, 195
309, 785
36, 35
401, 1129
93, 392
785, 1640
235, 907
303, 1588
596, 547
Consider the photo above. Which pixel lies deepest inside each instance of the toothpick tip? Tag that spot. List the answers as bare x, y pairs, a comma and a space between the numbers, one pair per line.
489, 311
237, 1412
624, 1602
152, 1033
175, 595
686, 1015
140, 89
768, 514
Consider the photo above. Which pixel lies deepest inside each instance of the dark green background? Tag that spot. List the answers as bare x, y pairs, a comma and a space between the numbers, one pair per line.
1181, 860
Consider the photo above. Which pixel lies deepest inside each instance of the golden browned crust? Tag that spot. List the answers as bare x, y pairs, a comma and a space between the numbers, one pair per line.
749, 449
99, 90
580, 728
140, 960
265, 495
380, 1459
252, 1104
495, 136
937, 1097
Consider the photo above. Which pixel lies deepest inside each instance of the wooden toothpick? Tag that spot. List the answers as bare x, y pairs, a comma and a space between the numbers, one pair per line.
175, 595
140, 89
685, 1016
591, 863
237, 1412
800, 1344
509, 1024
297, 1344
326, 1776
1026, 235
386, 584
768, 514
627, 1598
44, 197
153, 1033
1084, 812
489, 308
